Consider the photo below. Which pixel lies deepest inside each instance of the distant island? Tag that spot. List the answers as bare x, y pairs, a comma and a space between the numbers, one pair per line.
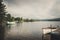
54, 19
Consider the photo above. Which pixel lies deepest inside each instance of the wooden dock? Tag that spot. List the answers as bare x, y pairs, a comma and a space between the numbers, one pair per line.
46, 32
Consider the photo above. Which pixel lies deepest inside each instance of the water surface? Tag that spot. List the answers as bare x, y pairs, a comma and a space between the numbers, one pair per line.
28, 30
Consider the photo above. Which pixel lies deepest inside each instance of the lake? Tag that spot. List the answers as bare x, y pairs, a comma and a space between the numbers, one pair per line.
28, 30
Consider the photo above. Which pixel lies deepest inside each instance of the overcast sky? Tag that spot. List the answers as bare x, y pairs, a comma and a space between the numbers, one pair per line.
39, 9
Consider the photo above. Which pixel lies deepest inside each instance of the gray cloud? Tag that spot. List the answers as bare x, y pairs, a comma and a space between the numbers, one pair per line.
55, 11
34, 8
9, 1
17, 2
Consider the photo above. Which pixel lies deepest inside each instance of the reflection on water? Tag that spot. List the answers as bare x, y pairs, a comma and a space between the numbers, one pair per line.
28, 29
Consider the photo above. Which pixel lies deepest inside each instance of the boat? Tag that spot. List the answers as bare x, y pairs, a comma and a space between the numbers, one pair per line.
10, 23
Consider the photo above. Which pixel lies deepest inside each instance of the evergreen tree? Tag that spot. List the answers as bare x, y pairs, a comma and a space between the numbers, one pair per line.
2, 16
2, 12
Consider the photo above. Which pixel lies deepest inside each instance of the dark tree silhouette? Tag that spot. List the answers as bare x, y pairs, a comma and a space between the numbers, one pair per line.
8, 17
2, 17
17, 19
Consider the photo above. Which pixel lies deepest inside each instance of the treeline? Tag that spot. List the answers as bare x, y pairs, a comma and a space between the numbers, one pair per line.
54, 19
11, 18
18, 19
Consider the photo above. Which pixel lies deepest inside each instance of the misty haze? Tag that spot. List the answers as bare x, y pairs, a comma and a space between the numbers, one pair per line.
30, 20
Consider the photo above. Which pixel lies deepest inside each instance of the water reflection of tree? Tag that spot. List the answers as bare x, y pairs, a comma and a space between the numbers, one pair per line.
8, 27
19, 24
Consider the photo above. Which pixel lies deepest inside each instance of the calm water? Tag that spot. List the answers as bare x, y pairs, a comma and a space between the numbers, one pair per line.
28, 30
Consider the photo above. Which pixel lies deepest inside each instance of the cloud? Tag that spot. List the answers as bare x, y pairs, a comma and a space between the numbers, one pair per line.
55, 11
32, 8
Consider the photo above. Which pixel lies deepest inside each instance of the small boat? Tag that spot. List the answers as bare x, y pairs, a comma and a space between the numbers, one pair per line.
10, 23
